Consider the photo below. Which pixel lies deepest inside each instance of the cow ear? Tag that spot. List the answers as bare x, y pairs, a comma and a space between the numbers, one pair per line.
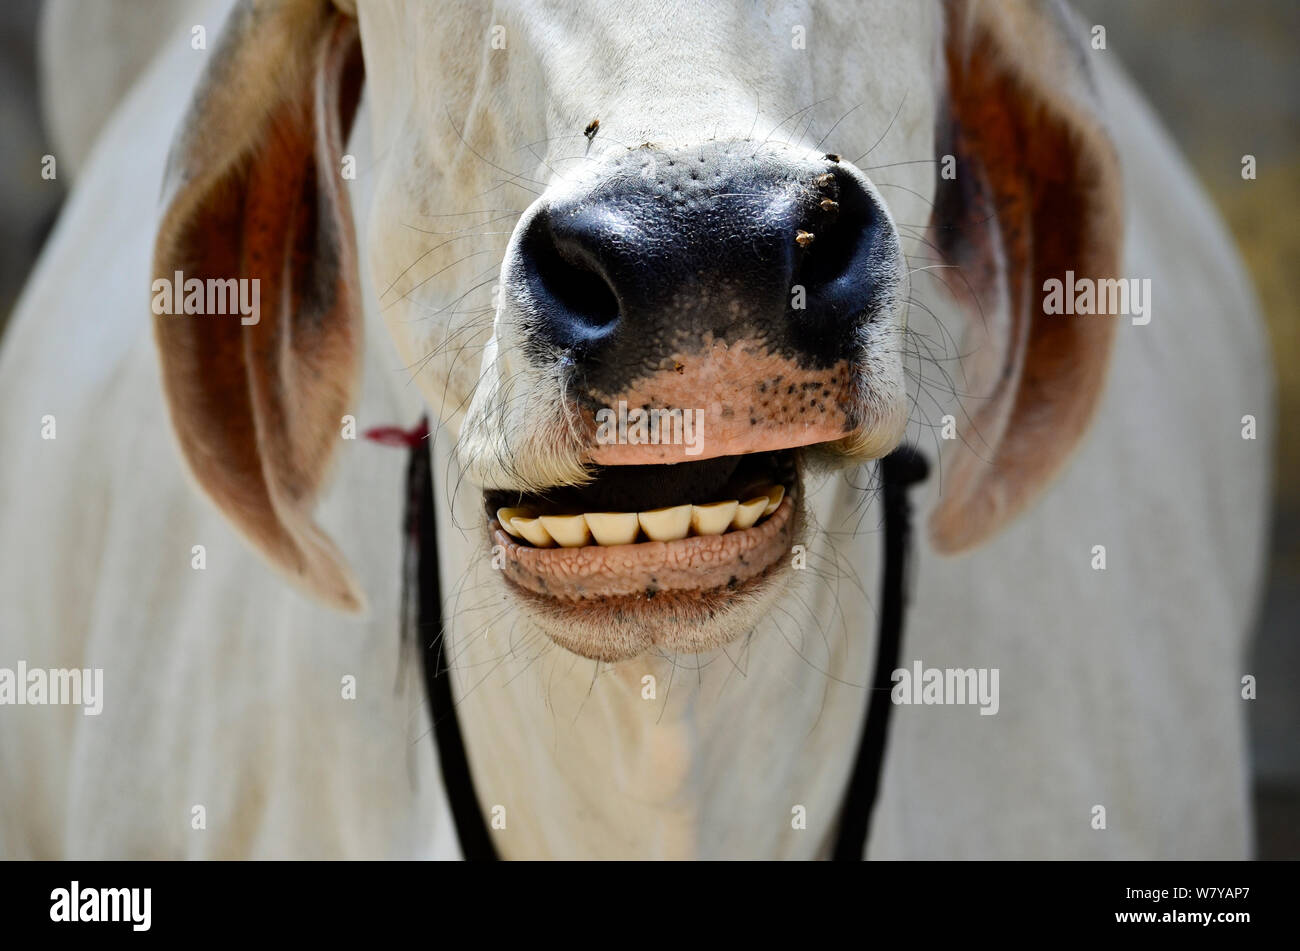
1036, 194
253, 195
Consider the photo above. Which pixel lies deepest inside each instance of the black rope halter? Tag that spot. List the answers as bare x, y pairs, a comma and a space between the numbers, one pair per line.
423, 598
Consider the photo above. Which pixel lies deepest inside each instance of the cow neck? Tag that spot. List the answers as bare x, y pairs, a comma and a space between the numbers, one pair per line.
422, 619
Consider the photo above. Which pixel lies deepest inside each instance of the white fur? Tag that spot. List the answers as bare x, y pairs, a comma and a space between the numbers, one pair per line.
222, 687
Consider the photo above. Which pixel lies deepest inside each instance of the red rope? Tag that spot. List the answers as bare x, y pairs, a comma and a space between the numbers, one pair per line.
400, 438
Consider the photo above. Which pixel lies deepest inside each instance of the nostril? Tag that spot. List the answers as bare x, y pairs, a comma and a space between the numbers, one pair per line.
801, 258
834, 265
576, 304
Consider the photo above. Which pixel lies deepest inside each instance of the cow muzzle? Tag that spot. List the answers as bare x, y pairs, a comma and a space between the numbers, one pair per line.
703, 317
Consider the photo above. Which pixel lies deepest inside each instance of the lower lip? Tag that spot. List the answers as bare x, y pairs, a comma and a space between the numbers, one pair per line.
697, 564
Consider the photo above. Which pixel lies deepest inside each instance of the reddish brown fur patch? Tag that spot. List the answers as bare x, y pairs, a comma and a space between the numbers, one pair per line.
1041, 196
252, 192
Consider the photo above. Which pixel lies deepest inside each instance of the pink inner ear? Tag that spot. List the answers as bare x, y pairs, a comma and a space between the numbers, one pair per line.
1037, 194
298, 241
258, 407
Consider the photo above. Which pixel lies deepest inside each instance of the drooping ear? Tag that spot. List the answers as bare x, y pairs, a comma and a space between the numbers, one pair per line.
253, 194
1036, 194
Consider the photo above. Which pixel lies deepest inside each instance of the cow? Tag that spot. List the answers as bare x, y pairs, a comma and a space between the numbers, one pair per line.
820, 231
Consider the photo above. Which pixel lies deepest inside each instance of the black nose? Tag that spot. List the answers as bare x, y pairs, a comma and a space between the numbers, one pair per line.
670, 250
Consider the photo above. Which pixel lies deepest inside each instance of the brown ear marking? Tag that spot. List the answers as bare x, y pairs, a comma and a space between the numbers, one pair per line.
1037, 193
253, 191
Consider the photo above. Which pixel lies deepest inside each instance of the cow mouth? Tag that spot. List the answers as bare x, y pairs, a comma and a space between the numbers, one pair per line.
636, 533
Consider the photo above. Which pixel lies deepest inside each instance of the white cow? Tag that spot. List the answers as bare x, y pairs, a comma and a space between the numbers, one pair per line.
659, 728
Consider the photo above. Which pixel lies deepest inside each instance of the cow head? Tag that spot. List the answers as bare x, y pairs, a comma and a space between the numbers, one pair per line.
651, 265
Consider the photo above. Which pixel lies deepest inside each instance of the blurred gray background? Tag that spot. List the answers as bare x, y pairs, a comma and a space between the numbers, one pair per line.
1226, 80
